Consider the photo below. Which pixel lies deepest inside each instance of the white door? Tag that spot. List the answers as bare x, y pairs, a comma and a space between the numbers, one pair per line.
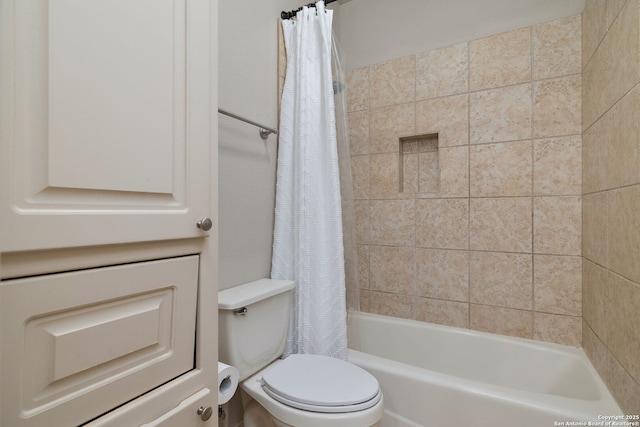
105, 130
104, 122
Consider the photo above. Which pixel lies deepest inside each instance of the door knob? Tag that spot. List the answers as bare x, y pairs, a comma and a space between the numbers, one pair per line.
204, 224
205, 412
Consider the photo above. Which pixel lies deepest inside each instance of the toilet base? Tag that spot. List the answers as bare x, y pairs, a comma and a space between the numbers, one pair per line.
256, 416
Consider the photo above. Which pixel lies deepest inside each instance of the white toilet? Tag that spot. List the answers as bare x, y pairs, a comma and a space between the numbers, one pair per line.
301, 390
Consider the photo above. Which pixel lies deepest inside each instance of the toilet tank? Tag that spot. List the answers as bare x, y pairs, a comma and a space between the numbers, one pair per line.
253, 319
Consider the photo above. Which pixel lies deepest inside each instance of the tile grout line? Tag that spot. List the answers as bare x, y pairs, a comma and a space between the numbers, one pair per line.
468, 70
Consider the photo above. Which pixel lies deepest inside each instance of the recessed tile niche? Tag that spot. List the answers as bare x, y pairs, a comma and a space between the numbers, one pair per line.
419, 165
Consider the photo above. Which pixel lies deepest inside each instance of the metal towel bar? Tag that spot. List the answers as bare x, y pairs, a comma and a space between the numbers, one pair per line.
264, 130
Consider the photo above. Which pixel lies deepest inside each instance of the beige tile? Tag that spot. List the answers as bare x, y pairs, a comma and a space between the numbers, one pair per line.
499, 320
557, 108
387, 124
502, 169
383, 176
429, 172
454, 171
594, 228
557, 225
557, 166
624, 323
611, 146
282, 53
428, 143
501, 279
363, 222
358, 132
448, 117
595, 297
594, 157
363, 266
350, 269
623, 226
442, 72
500, 60
557, 284
364, 301
360, 176
352, 291
410, 145
410, 173
499, 115
566, 330
393, 82
594, 27
596, 351
613, 9
622, 139
393, 269
357, 83
393, 305
624, 388
442, 223
280, 91
557, 48
502, 225
450, 313
393, 222
615, 66
443, 274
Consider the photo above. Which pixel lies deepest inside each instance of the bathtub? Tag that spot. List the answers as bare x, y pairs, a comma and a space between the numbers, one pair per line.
440, 376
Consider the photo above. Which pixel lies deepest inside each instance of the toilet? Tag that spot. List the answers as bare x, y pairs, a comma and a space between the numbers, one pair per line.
301, 390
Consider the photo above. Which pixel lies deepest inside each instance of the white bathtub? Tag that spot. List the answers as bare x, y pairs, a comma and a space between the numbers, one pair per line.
439, 376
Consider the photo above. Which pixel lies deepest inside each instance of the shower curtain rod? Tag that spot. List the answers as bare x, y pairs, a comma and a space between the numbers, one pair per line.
264, 130
289, 15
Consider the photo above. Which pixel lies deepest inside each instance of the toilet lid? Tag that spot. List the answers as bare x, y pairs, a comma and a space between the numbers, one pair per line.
321, 384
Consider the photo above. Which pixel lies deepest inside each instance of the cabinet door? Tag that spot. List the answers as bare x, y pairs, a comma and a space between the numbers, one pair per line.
104, 122
76, 345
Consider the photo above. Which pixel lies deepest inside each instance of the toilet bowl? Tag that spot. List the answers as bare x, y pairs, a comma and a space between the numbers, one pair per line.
301, 390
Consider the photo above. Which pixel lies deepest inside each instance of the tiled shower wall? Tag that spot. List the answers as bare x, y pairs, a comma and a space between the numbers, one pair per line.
611, 195
480, 228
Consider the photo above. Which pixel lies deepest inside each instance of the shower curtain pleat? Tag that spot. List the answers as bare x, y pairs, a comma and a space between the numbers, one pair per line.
308, 240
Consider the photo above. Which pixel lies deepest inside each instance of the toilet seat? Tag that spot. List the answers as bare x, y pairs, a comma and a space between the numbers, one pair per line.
321, 384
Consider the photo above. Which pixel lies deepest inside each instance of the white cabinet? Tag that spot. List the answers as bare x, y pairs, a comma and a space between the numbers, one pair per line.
105, 121
108, 141
94, 339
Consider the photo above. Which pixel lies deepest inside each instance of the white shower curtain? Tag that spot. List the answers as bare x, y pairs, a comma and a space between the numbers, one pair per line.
308, 244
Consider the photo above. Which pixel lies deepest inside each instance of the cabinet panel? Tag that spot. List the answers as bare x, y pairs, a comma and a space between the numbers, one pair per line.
106, 134
117, 105
79, 344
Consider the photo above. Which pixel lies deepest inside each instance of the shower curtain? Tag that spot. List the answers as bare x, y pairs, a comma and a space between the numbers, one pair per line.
308, 237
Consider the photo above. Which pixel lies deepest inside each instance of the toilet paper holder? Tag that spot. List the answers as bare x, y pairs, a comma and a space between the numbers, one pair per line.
221, 414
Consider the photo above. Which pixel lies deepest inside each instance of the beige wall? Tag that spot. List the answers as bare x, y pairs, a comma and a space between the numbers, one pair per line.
486, 232
246, 166
611, 195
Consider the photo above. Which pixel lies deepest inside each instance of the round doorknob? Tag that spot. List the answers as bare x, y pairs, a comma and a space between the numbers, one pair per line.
204, 224
205, 412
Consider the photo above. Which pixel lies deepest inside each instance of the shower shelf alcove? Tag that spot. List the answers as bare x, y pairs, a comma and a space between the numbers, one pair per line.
419, 166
